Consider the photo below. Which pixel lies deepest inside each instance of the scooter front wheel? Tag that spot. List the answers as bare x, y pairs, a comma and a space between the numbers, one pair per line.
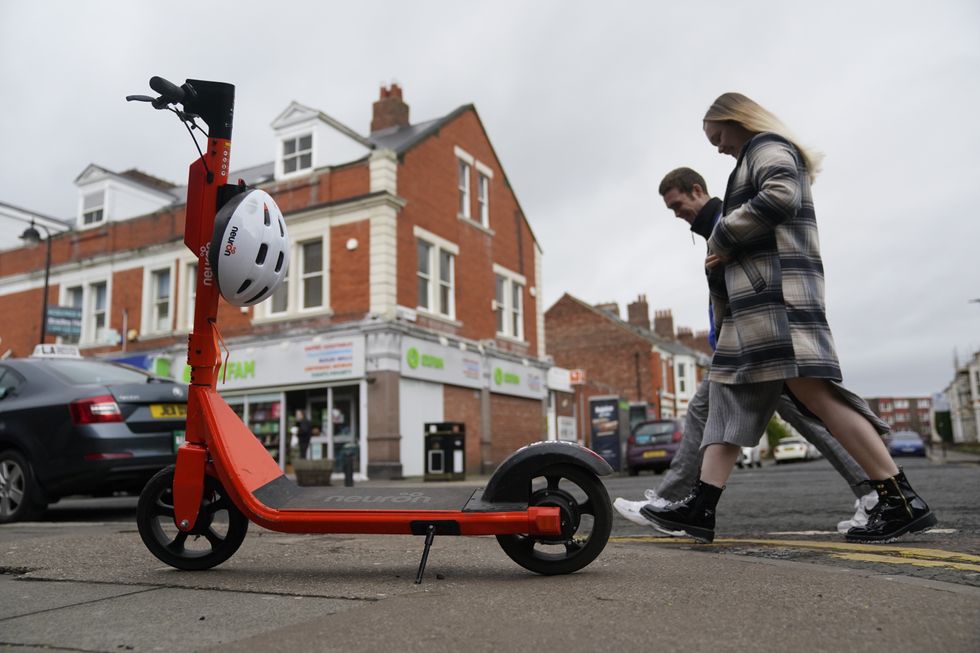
586, 521
217, 534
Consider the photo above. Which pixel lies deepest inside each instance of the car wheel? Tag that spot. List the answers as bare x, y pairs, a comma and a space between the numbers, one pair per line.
20, 497
633, 471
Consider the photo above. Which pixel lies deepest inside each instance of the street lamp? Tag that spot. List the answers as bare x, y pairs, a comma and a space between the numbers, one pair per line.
32, 237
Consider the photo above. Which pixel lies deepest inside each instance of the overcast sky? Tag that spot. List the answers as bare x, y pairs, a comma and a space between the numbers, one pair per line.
588, 105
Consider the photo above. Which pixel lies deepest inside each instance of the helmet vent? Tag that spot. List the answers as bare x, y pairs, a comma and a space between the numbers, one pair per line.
257, 295
282, 257
282, 228
244, 286
260, 257
265, 213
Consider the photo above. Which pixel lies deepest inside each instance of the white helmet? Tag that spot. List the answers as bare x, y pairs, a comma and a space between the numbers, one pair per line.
250, 248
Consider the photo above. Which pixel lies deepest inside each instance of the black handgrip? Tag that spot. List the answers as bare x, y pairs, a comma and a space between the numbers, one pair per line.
167, 90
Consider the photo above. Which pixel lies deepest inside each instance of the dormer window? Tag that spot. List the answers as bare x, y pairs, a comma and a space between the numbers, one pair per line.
93, 208
297, 154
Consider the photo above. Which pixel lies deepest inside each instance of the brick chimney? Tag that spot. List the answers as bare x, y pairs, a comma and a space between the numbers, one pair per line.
663, 324
389, 110
638, 313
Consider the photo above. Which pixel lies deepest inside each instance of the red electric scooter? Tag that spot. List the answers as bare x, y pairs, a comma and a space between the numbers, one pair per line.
545, 503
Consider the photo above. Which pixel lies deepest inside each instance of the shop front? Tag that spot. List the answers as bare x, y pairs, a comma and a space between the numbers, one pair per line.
500, 401
267, 385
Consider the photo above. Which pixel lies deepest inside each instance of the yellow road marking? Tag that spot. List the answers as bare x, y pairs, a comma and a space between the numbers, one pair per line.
851, 551
870, 557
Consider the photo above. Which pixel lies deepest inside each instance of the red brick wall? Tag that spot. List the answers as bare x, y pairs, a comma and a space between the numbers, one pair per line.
350, 291
614, 358
428, 180
20, 326
514, 422
463, 405
127, 291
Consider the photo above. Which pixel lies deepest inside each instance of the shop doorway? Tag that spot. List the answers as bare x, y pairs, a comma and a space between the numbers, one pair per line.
335, 416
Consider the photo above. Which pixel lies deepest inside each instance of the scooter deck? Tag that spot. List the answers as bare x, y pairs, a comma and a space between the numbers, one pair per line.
283, 494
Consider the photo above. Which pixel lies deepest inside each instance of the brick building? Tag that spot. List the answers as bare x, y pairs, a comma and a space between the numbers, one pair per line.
411, 296
653, 372
905, 413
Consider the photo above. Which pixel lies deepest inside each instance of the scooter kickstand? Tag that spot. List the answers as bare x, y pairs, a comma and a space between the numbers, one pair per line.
430, 535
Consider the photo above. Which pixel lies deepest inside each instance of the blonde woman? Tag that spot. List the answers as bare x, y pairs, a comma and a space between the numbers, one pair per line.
767, 291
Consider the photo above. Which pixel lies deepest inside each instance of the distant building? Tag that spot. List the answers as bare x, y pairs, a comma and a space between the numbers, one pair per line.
904, 413
963, 394
658, 376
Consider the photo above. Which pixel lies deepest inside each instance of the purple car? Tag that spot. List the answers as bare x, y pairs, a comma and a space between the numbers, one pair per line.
652, 445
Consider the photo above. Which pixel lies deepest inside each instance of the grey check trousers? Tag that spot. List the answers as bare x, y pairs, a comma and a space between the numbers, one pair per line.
685, 469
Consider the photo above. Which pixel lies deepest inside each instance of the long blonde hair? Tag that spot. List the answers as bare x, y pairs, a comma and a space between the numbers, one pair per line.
755, 118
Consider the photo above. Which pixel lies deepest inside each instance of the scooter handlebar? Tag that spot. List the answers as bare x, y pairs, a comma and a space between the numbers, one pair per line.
167, 90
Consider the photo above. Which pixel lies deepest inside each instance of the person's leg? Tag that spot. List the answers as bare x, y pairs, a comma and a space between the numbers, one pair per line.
737, 415
817, 434
900, 509
718, 463
684, 468
813, 430
683, 472
850, 427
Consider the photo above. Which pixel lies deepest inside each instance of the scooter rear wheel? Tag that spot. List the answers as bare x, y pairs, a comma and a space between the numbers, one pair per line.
586, 518
217, 534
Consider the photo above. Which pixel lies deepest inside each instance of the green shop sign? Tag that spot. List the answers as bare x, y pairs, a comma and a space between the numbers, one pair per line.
413, 359
501, 377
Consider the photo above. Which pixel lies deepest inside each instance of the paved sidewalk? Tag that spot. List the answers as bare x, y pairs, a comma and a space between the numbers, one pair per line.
100, 590
950, 455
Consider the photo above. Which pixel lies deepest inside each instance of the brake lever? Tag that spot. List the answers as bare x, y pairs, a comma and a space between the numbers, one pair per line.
139, 98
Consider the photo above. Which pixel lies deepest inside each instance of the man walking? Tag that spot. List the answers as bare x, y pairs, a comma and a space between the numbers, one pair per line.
685, 193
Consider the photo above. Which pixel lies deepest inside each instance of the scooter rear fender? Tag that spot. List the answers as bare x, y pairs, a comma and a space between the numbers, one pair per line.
510, 483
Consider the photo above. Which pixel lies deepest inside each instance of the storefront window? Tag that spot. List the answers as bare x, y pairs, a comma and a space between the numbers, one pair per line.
263, 420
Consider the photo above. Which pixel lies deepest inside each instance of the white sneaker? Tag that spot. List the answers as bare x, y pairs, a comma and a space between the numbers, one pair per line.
631, 511
861, 508
655, 499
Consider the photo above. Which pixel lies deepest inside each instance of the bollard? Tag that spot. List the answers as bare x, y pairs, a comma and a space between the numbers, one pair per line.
349, 470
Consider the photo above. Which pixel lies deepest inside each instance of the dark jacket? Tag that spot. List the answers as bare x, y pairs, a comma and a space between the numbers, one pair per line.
768, 302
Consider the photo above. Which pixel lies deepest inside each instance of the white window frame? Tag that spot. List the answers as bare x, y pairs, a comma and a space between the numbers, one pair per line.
513, 322
188, 295
464, 171
297, 154
292, 284
484, 175
438, 246
89, 335
66, 294
98, 208
148, 323
304, 275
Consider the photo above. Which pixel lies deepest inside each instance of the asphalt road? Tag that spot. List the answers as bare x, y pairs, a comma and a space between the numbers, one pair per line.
778, 578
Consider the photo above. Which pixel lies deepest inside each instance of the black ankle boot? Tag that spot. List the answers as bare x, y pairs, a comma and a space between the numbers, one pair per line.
694, 516
899, 511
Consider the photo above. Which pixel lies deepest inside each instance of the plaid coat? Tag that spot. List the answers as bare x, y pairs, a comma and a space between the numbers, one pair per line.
769, 301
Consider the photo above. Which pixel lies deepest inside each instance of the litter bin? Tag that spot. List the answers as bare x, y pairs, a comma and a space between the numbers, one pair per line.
445, 451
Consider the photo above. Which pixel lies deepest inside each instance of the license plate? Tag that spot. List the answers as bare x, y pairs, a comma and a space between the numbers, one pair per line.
658, 453
168, 411
179, 438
